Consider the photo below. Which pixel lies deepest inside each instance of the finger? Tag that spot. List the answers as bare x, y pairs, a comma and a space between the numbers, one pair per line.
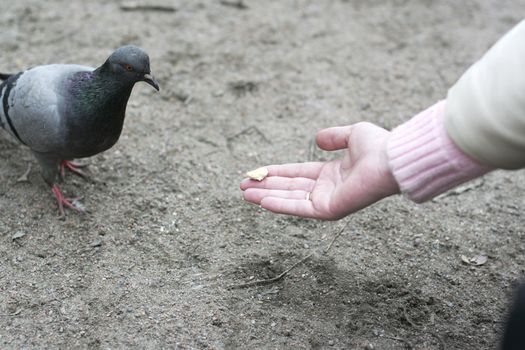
255, 195
280, 183
332, 139
297, 207
309, 170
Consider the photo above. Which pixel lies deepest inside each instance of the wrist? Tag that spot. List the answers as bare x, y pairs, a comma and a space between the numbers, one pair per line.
423, 159
391, 184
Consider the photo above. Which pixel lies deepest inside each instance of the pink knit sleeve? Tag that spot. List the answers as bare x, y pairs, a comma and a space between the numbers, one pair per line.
424, 160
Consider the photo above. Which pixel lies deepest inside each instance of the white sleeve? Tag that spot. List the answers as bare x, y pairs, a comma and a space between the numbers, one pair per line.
485, 111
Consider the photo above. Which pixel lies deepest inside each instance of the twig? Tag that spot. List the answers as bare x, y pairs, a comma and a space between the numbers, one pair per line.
270, 280
133, 6
285, 272
248, 130
312, 148
441, 341
407, 318
336, 236
408, 344
12, 314
461, 189
24, 176
239, 4
242, 87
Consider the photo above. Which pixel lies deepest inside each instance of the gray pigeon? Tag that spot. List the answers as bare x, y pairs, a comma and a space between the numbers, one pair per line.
64, 111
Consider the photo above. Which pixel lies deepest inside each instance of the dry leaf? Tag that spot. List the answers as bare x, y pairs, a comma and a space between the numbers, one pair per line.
257, 174
477, 260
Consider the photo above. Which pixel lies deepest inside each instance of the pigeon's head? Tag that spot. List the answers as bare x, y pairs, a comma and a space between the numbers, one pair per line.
131, 64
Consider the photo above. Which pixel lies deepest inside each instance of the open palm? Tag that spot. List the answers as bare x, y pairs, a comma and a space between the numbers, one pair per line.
334, 189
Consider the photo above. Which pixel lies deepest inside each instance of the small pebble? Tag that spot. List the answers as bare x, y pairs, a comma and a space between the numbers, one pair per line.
95, 243
18, 234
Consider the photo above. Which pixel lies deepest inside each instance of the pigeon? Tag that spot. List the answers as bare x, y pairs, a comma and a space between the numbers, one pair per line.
64, 112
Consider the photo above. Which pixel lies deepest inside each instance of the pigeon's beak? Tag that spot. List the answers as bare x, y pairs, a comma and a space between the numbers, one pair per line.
150, 79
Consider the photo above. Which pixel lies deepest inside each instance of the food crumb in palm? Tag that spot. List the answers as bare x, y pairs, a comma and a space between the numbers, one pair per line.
258, 174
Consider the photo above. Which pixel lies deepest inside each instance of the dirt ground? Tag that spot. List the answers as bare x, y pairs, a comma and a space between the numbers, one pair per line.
167, 235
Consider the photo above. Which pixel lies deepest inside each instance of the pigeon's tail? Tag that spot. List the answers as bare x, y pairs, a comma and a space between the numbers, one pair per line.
4, 76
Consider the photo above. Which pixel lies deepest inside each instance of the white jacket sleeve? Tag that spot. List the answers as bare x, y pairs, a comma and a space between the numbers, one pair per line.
485, 111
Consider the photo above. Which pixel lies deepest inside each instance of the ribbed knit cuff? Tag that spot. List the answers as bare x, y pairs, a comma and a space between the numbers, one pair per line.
424, 160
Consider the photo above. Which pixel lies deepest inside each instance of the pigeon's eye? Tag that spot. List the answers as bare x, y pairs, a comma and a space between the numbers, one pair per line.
128, 67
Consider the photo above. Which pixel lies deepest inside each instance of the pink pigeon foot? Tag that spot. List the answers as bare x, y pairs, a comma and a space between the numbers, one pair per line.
73, 167
68, 202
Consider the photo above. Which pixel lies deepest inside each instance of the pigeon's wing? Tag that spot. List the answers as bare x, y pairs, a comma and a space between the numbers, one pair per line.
32, 102
5, 90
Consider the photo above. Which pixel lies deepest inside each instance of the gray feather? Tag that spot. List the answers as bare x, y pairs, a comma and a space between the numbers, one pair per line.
34, 105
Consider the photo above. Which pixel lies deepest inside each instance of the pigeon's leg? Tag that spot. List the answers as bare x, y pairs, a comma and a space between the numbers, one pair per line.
61, 201
75, 168
50, 165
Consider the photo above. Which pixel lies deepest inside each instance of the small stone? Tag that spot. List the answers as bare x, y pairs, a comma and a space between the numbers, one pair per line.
41, 253
365, 106
18, 234
216, 321
95, 243
331, 342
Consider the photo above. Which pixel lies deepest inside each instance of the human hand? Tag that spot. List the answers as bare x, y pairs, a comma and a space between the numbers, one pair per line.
329, 190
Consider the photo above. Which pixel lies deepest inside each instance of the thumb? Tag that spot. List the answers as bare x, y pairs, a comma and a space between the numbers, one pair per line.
332, 139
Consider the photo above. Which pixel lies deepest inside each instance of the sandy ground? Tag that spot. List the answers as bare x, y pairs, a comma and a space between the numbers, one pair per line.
167, 234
